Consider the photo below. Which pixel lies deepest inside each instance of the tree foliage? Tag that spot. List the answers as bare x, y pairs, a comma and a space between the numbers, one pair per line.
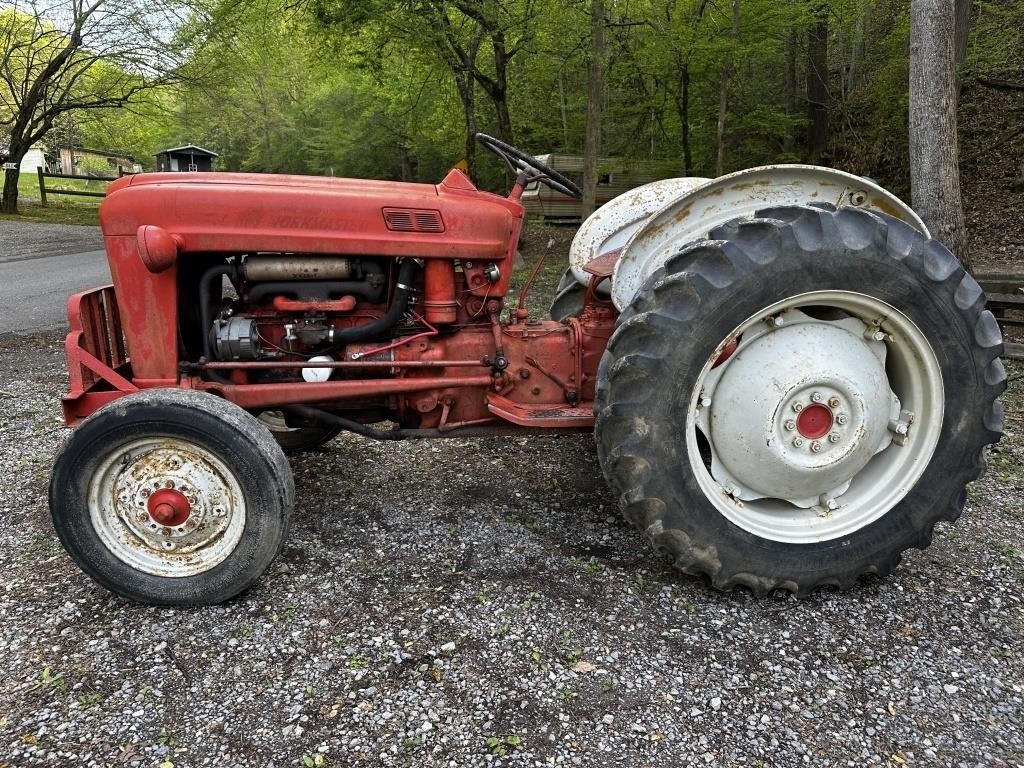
59, 57
394, 88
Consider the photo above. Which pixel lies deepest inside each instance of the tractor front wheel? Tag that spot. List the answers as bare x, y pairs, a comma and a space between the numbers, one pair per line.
800, 398
172, 497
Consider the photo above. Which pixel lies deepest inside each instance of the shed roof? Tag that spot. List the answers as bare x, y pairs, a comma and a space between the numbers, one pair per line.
192, 148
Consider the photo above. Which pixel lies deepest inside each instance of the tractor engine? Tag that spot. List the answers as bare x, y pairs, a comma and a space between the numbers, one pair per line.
289, 304
312, 319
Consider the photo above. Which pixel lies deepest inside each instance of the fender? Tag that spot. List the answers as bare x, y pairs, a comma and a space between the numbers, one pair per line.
693, 214
609, 227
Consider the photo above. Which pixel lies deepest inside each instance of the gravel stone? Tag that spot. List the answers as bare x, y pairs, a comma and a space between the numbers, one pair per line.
511, 551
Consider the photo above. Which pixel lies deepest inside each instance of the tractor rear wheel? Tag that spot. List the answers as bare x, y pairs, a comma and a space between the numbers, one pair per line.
800, 398
569, 296
172, 497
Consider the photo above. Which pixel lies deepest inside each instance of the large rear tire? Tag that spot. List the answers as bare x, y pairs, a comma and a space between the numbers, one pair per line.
172, 497
569, 298
797, 400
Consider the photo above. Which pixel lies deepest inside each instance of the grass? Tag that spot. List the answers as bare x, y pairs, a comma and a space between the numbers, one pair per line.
60, 209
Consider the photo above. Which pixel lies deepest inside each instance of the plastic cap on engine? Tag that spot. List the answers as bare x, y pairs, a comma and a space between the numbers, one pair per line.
316, 375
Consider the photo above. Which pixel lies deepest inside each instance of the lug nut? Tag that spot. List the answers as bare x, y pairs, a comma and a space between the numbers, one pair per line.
790, 425
142, 517
833, 402
834, 437
841, 418
816, 397
798, 407
832, 504
144, 493
798, 442
815, 446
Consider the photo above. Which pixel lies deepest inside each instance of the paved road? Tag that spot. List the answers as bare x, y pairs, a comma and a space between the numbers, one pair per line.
40, 266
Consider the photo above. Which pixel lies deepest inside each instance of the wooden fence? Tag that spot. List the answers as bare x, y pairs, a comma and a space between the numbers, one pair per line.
1005, 294
44, 191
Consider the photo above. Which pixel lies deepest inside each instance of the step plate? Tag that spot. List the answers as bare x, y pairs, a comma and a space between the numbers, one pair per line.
542, 414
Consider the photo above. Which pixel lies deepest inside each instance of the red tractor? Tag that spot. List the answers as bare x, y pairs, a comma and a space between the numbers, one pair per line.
788, 380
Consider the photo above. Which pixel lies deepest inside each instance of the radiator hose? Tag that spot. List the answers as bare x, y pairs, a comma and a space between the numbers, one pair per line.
399, 304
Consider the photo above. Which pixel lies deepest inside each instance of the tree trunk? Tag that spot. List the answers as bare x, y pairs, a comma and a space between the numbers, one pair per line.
934, 147
723, 84
499, 93
723, 92
684, 117
961, 31
857, 49
562, 108
595, 89
16, 153
9, 202
817, 84
789, 93
469, 109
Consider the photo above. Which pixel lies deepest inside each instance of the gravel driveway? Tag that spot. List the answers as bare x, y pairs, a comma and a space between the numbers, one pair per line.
479, 602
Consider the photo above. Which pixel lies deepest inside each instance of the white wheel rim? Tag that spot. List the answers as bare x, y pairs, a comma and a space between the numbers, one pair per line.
875, 383
121, 494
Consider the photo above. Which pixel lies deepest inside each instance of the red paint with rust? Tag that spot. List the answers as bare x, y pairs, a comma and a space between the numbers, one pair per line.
344, 304
163, 230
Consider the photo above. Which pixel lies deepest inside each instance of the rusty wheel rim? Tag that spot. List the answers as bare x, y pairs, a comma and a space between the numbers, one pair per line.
167, 507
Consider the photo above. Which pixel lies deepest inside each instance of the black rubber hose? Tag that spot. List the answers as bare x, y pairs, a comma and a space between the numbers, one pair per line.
206, 298
325, 418
399, 304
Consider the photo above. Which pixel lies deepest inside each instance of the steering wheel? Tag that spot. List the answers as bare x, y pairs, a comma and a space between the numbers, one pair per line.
520, 162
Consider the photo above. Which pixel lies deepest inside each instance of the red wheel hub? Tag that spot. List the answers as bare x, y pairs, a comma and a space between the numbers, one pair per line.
814, 421
169, 507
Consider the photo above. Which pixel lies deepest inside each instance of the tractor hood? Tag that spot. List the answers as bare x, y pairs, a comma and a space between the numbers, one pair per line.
237, 212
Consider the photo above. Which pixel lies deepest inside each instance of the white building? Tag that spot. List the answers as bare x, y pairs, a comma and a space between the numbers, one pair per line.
34, 158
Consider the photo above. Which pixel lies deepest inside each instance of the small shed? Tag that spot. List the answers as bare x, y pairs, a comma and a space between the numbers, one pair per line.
81, 161
36, 157
186, 158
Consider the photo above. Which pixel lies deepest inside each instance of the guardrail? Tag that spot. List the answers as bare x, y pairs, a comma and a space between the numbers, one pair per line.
43, 191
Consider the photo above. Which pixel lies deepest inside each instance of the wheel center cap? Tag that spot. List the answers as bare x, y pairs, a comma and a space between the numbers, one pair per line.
168, 507
814, 421
798, 411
